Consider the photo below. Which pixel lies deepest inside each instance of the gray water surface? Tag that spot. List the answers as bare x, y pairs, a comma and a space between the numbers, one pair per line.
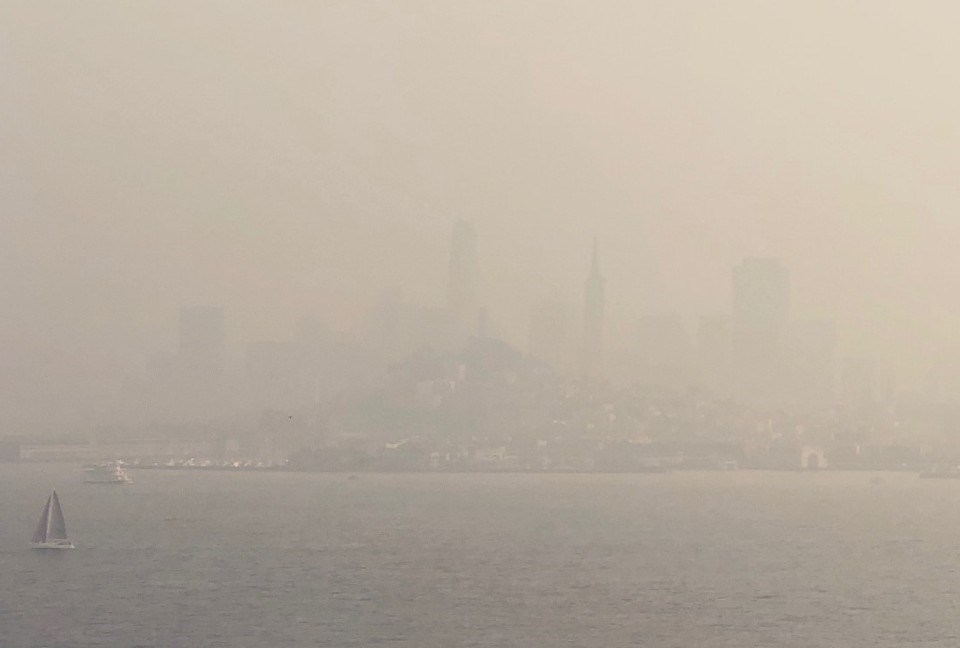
682, 559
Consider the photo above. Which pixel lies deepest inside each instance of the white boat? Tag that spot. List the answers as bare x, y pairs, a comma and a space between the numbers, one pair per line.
51, 531
111, 472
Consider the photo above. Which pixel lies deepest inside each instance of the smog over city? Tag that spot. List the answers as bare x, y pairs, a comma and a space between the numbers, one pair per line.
617, 296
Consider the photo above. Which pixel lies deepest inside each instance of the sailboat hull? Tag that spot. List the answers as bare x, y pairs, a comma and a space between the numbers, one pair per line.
62, 544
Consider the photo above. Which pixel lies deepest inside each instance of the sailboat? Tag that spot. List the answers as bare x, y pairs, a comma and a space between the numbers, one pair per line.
51, 531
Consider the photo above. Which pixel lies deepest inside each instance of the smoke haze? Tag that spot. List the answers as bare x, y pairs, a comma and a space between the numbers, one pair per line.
299, 160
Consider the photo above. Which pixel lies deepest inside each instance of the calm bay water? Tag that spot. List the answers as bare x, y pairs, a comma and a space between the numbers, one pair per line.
683, 559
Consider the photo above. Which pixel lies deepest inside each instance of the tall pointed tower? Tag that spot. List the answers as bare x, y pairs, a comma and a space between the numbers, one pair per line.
593, 307
462, 288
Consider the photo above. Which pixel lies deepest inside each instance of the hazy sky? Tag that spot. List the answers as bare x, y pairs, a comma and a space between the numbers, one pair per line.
285, 159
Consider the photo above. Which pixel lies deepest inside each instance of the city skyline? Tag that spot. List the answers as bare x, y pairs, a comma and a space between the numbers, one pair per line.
757, 351
676, 334
470, 323
171, 186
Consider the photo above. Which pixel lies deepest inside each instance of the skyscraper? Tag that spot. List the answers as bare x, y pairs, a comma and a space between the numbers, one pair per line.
593, 307
462, 287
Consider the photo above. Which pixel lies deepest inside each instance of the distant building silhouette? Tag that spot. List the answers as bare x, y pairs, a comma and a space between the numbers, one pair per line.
464, 276
593, 319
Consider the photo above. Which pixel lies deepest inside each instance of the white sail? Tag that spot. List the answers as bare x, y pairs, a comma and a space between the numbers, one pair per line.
57, 527
51, 530
40, 535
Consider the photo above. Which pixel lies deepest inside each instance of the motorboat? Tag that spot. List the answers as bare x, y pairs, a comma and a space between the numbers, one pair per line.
111, 472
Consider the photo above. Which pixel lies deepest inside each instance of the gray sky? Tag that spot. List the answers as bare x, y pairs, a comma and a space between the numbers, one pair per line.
296, 158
